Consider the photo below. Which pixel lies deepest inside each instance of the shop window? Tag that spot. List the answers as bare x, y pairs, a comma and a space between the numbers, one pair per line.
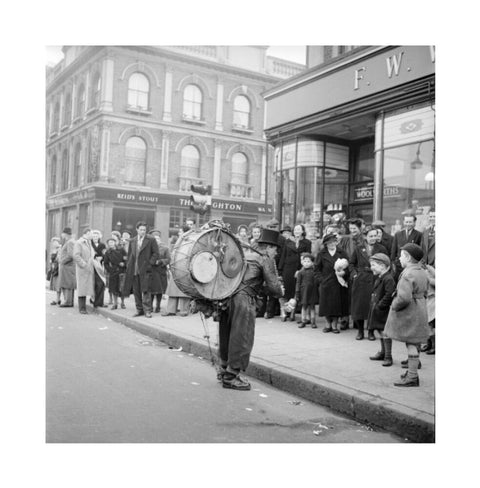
364, 163
192, 102
65, 170
239, 168
190, 162
135, 161
80, 108
84, 215
138, 91
77, 165
241, 112
96, 87
409, 183
67, 110
53, 174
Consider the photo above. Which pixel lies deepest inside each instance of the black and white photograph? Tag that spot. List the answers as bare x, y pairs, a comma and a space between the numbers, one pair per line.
235, 248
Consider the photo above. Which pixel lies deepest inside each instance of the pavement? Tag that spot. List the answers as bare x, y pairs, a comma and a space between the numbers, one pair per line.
332, 370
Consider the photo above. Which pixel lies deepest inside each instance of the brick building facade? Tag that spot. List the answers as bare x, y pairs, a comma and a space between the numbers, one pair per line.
129, 129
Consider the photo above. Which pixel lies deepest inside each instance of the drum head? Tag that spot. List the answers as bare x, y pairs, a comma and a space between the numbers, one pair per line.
204, 267
232, 263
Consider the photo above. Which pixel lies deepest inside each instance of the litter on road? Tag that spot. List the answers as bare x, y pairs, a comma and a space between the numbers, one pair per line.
176, 350
263, 395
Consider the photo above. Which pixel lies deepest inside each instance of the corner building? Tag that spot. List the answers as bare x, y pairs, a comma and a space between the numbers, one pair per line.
130, 128
355, 134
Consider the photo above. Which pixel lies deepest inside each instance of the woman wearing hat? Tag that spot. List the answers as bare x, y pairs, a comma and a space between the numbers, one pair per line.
332, 290
52, 274
362, 281
290, 262
242, 234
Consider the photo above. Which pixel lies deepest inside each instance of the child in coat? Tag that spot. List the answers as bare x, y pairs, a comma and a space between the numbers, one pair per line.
114, 262
407, 319
380, 301
306, 290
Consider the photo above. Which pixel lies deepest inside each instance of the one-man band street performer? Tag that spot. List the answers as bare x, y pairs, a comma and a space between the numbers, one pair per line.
237, 318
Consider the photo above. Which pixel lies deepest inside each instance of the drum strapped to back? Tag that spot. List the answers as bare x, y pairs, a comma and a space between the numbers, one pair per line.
208, 263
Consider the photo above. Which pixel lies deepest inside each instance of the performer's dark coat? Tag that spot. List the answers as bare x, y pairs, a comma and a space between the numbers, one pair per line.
237, 320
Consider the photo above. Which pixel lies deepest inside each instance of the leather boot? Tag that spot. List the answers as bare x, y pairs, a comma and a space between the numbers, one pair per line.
82, 305
359, 325
388, 360
432, 349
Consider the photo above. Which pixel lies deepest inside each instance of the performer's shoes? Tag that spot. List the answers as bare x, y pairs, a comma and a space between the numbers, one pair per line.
221, 372
235, 382
379, 356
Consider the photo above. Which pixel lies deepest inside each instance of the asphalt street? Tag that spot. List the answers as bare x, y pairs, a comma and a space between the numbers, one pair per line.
106, 383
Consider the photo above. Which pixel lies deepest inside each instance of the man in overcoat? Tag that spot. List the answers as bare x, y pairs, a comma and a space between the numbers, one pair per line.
142, 255
83, 255
407, 235
428, 240
66, 274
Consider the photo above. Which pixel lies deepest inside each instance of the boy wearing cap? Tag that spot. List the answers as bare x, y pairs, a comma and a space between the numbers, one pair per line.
407, 320
381, 299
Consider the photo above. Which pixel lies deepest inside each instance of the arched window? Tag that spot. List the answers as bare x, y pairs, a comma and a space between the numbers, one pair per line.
80, 109
67, 110
136, 159
192, 102
190, 163
239, 169
138, 91
96, 87
77, 165
53, 175
241, 112
56, 117
65, 170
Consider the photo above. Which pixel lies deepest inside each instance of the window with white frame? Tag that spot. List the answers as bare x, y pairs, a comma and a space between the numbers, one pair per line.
138, 91
190, 162
96, 87
135, 160
239, 168
56, 117
241, 112
53, 174
192, 102
67, 110
65, 170
80, 108
77, 165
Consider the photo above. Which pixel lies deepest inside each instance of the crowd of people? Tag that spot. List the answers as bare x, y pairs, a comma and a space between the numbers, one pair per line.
354, 274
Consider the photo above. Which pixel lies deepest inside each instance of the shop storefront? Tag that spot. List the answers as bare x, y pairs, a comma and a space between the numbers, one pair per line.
356, 137
107, 208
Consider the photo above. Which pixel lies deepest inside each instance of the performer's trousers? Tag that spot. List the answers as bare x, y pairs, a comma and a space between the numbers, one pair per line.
143, 298
237, 331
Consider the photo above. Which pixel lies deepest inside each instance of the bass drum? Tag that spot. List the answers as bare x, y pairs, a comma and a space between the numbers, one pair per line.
207, 264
